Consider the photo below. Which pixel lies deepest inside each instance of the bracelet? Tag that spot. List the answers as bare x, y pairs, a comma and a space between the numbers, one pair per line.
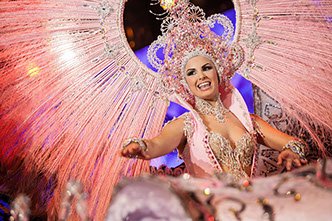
298, 147
141, 142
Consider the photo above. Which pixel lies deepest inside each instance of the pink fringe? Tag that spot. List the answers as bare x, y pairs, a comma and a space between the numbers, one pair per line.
298, 69
66, 118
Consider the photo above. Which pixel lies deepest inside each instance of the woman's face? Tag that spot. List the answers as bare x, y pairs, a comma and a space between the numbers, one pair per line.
202, 78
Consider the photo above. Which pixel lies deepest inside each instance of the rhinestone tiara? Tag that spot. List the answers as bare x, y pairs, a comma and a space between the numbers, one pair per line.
186, 33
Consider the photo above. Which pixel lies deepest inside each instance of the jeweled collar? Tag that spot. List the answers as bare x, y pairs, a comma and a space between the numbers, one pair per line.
205, 108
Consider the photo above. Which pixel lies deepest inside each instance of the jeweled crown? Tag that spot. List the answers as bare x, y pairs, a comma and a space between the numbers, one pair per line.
187, 33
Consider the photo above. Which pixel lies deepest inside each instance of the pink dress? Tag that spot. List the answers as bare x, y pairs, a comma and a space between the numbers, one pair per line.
205, 151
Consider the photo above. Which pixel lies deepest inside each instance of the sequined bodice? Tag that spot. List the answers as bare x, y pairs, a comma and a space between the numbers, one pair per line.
235, 159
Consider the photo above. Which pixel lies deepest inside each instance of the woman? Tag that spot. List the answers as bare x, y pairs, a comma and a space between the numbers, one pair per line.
232, 143
218, 134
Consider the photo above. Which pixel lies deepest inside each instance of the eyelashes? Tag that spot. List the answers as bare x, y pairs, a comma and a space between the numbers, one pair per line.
189, 73
204, 68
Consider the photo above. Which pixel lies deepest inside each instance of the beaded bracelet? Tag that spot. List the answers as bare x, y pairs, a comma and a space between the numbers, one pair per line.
135, 140
298, 147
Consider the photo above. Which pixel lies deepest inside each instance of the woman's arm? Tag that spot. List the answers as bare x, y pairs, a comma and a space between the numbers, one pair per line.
171, 137
276, 140
270, 136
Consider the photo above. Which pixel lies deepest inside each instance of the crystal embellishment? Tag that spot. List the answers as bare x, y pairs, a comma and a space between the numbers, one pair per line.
205, 108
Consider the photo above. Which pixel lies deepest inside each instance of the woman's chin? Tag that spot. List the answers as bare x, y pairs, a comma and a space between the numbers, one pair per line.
207, 95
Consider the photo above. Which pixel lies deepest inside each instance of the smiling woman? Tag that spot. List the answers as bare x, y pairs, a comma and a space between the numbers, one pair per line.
218, 133
202, 78
214, 126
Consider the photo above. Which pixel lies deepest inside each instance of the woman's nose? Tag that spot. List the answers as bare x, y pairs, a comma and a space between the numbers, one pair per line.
201, 75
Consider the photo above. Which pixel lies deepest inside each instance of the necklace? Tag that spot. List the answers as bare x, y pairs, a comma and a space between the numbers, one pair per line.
205, 108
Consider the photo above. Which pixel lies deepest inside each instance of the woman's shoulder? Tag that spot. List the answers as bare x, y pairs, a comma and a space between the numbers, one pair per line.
185, 115
178, 119
183, 122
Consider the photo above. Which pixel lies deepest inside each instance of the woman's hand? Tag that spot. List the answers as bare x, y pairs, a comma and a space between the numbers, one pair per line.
134, 150
290, 157
171, 137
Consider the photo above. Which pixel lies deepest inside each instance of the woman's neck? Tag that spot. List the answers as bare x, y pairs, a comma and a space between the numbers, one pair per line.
211, 107
213, 101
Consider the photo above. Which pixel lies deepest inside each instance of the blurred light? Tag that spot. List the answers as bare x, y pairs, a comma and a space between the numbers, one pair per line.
132, 44
130, 32
297, 197
65, 49
186, 176
166, 4
32, 70
67, 55
246, 183
207, 191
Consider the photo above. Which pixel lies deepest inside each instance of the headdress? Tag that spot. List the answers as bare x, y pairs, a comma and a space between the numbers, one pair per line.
186, 33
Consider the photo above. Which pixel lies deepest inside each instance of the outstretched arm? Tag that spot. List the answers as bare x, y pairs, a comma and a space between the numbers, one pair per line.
276, 140
171, 137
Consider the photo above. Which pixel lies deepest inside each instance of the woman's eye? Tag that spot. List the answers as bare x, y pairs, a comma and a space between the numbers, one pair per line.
189, 73
207, 68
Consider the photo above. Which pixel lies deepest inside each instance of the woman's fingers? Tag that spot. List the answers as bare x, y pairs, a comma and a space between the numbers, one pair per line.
289, 163
304, 161
279, 159
133, 149
145, 155
124, 152
297, 162
290, 158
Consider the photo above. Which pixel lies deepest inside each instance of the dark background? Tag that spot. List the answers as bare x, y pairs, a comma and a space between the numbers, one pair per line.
142, 27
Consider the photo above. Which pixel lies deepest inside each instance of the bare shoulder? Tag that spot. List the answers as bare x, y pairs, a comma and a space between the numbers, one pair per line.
177, 124
177, 121
172, 135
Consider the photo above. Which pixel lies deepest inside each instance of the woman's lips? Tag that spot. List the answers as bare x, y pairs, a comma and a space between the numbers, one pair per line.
204, 86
